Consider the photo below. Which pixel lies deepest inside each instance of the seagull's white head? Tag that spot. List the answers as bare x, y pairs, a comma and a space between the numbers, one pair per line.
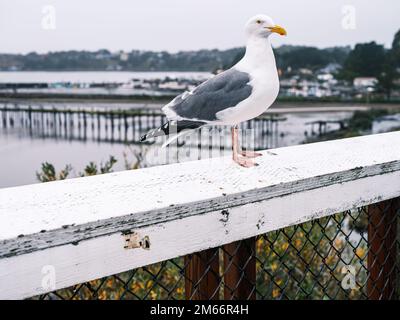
263, 26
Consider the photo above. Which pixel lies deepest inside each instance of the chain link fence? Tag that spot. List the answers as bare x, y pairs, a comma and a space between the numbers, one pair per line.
350, 255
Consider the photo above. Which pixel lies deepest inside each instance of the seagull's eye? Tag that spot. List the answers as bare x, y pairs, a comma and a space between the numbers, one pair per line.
259, 21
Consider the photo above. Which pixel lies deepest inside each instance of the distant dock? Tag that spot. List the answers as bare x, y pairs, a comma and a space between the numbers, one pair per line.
110, 125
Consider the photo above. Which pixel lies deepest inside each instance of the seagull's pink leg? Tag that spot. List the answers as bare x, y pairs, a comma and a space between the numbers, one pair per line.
236, 153
235, 141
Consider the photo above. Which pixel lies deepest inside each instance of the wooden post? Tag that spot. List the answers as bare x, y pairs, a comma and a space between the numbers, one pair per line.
382, 235
240, 270
30, 120
65, 124
112, 126
202, 275
126, 126
84, 125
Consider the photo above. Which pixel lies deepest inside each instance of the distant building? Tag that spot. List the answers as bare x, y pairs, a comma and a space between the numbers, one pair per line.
305, 71
331, 68
325, 77
365, 82
172, 85
113, 67
124, 56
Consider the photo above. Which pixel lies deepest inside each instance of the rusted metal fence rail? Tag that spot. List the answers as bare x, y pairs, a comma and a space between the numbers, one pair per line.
315, 221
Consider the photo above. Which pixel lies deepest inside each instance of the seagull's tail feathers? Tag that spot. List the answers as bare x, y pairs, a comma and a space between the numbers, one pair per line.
172, 137
173, 128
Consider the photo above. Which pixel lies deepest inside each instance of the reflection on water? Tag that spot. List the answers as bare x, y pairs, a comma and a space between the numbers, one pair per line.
94, 76
28, 138
386, 123
22, 156
110, 126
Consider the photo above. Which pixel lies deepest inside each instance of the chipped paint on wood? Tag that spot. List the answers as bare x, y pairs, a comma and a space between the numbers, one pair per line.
133, 240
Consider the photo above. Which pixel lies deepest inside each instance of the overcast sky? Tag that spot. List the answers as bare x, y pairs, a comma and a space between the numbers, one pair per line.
172, 25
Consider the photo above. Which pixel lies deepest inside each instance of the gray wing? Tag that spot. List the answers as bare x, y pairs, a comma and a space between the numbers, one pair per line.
223, 91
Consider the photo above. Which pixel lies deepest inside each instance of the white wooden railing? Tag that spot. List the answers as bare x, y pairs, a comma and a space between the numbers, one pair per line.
87, 228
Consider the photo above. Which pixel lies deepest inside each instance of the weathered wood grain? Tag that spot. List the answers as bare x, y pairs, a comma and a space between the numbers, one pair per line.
78, 225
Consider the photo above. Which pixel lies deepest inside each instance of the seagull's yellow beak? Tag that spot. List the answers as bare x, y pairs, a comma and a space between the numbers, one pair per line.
278, 29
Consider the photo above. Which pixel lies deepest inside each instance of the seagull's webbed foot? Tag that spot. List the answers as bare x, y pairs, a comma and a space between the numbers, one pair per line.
242, 158
251, 154
244, 161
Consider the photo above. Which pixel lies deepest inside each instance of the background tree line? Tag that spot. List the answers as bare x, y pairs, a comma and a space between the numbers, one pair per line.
373, 60
364, 60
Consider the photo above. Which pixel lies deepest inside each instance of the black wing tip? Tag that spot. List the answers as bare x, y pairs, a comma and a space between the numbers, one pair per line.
165, 129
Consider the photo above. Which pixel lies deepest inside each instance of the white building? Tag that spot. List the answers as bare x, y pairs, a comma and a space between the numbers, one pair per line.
364, 82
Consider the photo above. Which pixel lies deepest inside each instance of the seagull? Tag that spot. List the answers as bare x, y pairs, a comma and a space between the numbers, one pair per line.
238, 94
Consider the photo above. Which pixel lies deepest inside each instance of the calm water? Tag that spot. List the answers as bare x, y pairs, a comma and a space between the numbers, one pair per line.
93, 77
22, 153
